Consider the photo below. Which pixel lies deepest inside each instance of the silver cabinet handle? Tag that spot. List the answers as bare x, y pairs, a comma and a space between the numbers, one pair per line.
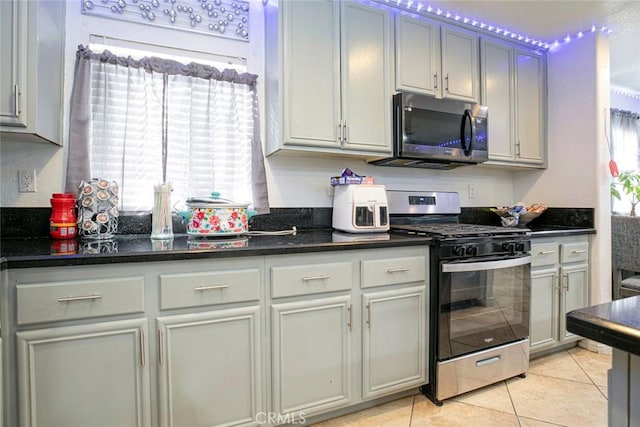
350, 308
518, 148
556, 282
321, 277
142, 355
435, 81
160, 347
340, 131
546, 252
16, 100
446, 79
80, 298
369, 315
345, 130
207, 288
566, 282
398, 270
579, 251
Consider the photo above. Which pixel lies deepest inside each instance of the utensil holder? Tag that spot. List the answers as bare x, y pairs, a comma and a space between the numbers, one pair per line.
161, 226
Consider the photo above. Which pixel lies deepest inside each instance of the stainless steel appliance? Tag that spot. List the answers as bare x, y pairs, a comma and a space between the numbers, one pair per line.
479, 293
437, 133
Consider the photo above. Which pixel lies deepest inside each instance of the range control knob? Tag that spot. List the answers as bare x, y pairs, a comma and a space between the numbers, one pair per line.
509, 247
472, 250
459, 250
520, 247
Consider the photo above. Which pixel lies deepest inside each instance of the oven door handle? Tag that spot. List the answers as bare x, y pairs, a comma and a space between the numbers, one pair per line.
485, 265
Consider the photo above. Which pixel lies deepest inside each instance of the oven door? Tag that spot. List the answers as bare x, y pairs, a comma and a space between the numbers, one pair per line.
482, 304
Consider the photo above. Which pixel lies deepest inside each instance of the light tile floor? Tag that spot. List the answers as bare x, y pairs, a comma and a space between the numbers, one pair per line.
567, 388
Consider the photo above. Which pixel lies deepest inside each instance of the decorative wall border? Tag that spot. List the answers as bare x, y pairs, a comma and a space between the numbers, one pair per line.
221, 18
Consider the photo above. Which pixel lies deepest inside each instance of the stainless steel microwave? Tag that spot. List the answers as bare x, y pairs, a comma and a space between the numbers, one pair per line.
437, 133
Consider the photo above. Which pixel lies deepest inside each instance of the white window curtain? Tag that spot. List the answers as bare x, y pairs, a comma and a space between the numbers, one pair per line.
625, 147
147, 121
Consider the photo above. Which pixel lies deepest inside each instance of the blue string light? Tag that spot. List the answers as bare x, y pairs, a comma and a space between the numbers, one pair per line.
428, 11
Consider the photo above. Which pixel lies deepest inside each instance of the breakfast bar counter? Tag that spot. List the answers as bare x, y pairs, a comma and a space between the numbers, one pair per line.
616, 324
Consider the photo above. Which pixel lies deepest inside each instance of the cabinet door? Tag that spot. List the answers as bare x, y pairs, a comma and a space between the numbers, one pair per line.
417, 55
366, 95
529, 107
459, 64
543, 314
310, 35
394, 340
575, 293
497, 79
32, 58
311, 356
12, 13
210, 368
89, 375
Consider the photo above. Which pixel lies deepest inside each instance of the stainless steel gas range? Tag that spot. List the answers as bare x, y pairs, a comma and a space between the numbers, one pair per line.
479, 293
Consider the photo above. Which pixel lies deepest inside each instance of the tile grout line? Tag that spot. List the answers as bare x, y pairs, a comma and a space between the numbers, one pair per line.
587, 374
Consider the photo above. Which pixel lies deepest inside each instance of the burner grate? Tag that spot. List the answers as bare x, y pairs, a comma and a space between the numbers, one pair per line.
457, 230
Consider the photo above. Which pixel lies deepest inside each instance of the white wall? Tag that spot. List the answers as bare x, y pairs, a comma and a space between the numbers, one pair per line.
578, 173
292, 181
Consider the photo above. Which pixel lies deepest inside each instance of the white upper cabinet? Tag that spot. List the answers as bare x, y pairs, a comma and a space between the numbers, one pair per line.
436, 59
31, 70
417, 55
328, 78
459, 64
512, 81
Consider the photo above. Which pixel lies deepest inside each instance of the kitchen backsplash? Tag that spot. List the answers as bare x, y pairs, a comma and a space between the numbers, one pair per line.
34, 222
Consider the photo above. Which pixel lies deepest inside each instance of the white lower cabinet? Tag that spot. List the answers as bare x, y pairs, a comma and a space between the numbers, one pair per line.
394, 340
346, 328
559, 284
210, 369
235, 342
311, 355
87, 375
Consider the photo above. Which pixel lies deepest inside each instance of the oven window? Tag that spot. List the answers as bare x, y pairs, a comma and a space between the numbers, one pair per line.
482, 309
432, 128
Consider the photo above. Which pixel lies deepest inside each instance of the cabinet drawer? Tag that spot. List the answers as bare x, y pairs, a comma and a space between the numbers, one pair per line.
544, 254
208, 288
391, 271
79, 299
303, 279
572, 252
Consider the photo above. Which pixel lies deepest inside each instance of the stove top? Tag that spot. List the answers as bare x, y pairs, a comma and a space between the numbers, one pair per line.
450, 230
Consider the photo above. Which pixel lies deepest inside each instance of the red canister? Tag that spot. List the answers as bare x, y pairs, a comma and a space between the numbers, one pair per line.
62, 224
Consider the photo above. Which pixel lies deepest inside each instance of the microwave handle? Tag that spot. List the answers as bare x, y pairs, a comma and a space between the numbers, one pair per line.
467, 117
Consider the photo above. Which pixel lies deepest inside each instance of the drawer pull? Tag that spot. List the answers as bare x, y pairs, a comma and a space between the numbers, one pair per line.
488, 361
398, 270
211, 287
81, 298
546, 252
310, 278
579, 251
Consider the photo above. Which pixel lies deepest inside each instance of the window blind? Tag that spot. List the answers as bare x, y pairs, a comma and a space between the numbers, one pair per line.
211, 130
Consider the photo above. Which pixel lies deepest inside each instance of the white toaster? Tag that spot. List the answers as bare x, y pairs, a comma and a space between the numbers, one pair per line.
360, 208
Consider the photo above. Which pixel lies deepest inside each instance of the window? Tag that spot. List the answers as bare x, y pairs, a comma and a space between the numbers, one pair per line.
625, 146
145, 121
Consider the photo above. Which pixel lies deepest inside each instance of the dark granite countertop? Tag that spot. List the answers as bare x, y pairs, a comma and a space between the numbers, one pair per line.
47, 252
616, 323
558, 231
25, 242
